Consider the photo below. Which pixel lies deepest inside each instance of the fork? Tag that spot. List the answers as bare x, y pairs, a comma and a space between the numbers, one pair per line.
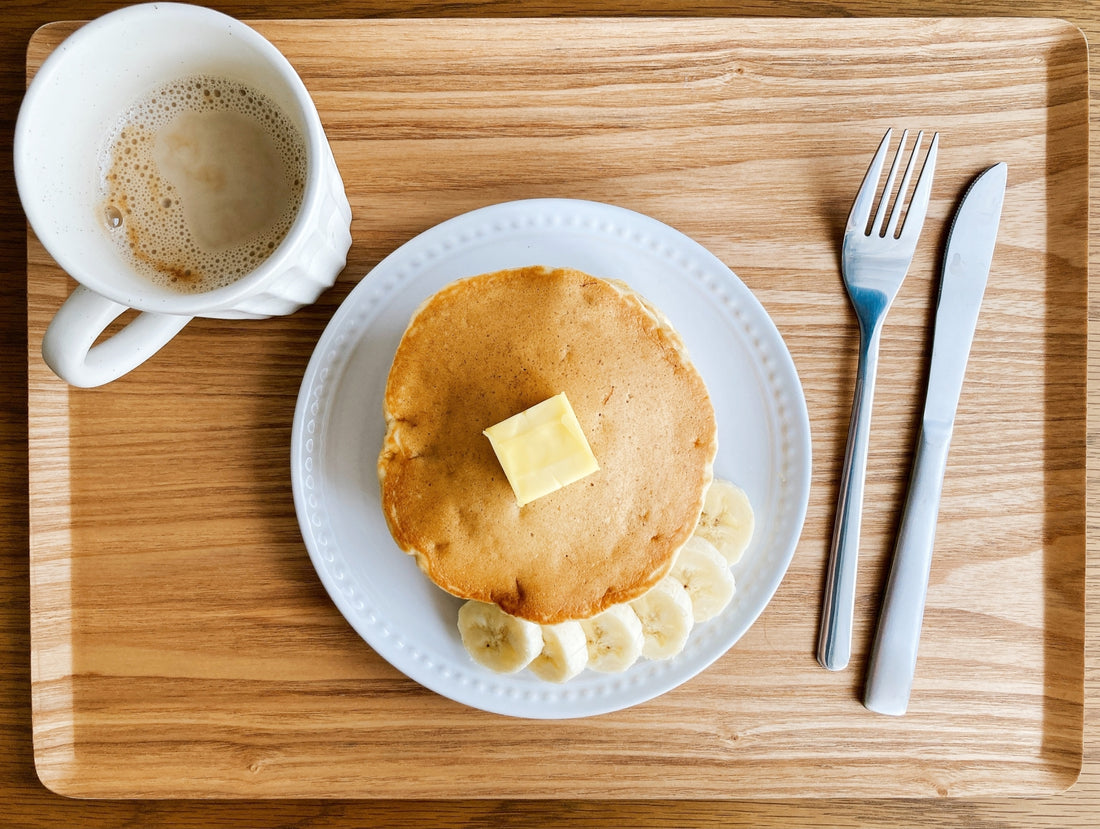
875, 258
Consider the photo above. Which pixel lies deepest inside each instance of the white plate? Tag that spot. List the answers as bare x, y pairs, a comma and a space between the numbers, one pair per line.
763, 440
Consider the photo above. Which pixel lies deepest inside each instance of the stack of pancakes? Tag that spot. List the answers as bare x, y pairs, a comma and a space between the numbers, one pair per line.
487, 347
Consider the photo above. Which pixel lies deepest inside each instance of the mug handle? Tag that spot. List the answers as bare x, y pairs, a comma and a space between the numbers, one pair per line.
69, 348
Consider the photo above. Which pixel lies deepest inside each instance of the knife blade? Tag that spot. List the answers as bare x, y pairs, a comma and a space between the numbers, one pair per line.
964, 273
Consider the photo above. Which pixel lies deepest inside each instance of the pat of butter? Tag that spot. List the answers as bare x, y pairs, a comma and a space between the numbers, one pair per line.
542, 449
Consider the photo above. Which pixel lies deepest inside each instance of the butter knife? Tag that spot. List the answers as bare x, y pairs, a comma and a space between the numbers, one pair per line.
964, 274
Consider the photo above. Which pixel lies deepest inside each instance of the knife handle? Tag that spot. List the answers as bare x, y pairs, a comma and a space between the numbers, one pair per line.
834, 644
894, 653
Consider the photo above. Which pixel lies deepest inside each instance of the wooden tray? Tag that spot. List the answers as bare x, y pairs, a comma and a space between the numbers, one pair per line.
183, 645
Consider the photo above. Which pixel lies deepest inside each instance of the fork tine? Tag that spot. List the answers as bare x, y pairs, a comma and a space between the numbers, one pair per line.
865, 198
918, 207
895, 214
880, 214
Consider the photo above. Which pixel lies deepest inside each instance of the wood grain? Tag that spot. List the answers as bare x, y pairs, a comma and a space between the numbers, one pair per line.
181, 644
28, 804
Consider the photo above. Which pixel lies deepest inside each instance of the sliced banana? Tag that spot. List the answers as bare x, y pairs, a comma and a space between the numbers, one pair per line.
706, 576
614, 639
500, 642
727, 521
564, 652
667, 618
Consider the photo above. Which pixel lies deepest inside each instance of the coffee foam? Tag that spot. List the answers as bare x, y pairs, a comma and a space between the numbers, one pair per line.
203, 179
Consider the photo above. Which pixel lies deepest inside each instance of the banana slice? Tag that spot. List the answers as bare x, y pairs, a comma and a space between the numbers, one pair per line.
564, 652
614, 639
500, 642
727, 521
706, 576
667, 618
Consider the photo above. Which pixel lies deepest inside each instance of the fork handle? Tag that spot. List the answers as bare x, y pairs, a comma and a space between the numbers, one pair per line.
834, 646
894, 653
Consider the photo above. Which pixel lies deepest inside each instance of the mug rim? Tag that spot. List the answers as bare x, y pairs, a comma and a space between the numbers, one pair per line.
223, 298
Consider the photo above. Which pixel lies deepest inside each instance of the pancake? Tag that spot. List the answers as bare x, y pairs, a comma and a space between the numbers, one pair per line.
489, 346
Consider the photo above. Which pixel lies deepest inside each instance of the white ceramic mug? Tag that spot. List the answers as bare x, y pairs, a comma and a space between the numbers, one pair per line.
78, 94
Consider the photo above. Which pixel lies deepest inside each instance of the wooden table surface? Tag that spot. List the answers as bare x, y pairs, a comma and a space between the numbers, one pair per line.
26, 803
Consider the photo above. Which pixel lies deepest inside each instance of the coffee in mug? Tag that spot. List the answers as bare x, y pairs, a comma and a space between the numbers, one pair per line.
171, 160
202, 181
